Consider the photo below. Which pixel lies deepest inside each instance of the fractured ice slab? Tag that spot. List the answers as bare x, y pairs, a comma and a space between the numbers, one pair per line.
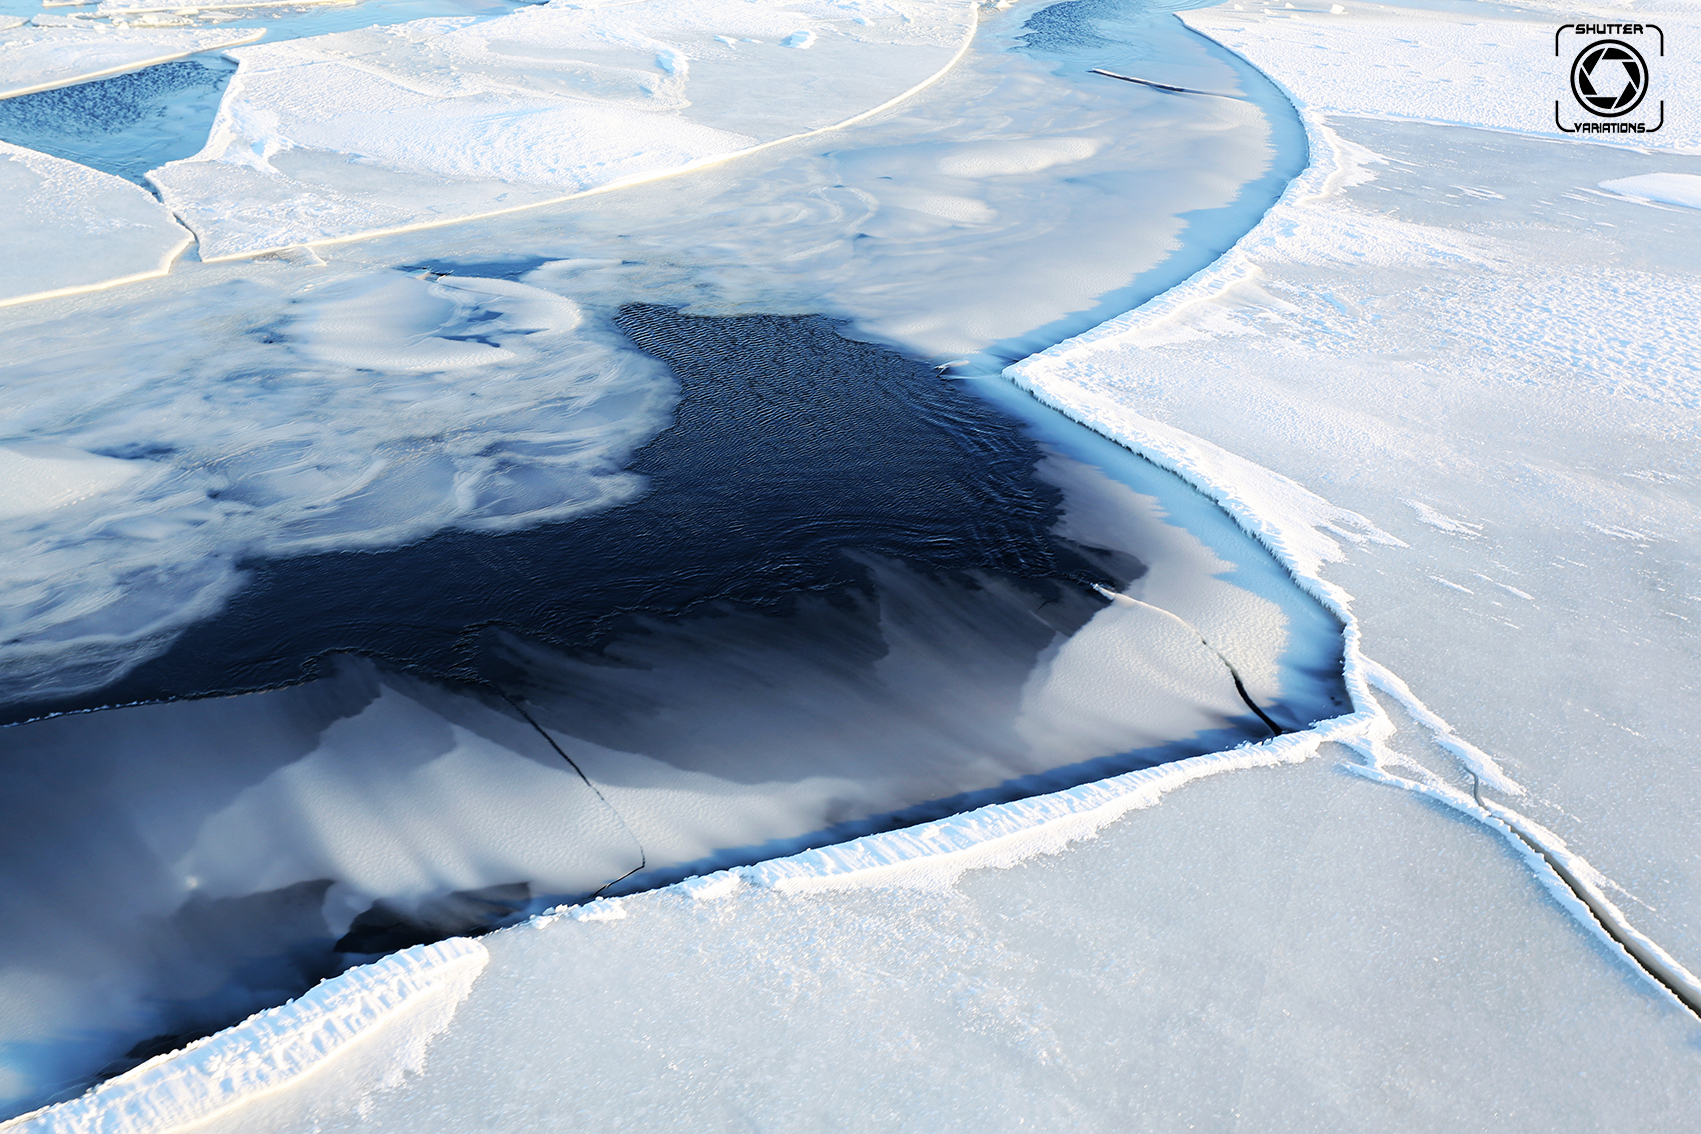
429, 121
37, 59
67, 228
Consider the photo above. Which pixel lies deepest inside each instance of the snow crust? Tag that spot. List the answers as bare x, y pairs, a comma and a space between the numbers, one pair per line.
68, 228
437, 120
391, 1009
42, 477
40, 58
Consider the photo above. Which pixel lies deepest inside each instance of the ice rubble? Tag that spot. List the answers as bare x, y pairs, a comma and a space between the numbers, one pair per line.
40, 58
67, 228
436, 120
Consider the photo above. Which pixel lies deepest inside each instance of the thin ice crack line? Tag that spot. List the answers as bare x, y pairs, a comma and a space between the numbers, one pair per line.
1582, 899
643, 857
1239, 685
1561, 869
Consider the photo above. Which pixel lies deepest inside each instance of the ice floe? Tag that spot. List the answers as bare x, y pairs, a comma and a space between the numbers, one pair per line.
436, 120
68, 228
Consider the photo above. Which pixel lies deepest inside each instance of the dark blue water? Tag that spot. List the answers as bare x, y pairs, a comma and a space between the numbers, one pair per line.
795, 455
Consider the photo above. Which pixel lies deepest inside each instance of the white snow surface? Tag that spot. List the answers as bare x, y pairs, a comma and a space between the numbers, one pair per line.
1465, 63
67, 228
426, 122
40, 58
392, 1009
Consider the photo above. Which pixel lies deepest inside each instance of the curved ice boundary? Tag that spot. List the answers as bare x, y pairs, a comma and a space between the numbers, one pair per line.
1302, 530
408, 997
434, 121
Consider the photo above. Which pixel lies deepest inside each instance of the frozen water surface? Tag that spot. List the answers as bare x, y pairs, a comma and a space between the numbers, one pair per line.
700, 588
1305, 949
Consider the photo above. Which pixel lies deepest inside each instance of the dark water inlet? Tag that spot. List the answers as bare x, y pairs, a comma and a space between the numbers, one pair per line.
853, 596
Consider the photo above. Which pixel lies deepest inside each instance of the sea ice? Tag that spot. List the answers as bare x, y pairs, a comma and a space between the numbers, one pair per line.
436, 120
1450, 331
38, 58
67, 228
1458, 317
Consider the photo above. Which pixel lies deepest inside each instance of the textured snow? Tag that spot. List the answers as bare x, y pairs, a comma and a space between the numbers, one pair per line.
434, 120
41, 477
67, 228
39, 58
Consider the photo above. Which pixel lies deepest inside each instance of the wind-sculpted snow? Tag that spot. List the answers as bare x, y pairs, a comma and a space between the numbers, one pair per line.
67, 228
258, 420
36, 59
425, 122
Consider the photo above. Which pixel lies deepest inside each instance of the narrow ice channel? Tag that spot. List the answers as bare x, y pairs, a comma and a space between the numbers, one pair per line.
586, 548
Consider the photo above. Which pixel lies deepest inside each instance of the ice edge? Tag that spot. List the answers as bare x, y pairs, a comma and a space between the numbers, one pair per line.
271, 1049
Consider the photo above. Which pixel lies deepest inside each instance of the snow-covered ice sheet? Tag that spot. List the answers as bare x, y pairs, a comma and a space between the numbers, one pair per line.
67, 228
1455, 333
1312, 949
1292, 949
1459, 61
430, 121
38, 59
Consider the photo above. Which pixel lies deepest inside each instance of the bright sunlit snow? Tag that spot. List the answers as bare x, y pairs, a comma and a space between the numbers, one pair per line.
67, 228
